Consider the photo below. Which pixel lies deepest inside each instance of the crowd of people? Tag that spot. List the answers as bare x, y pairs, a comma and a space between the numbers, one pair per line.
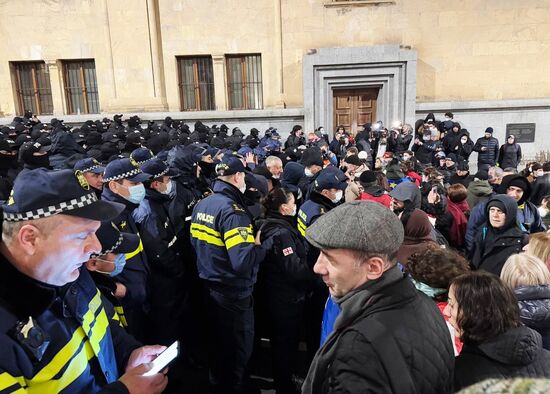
396, 268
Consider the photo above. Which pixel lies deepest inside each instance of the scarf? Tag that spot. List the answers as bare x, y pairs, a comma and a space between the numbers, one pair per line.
458, 227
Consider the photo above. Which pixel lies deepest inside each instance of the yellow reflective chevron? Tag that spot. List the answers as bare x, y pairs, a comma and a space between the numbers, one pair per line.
206, 234
301, 227
237, 236
7, 381
73, 358
119, 315
135, 252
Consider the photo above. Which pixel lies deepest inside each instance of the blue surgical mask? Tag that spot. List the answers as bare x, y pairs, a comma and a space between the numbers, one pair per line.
120, 262
168, 188
137, 193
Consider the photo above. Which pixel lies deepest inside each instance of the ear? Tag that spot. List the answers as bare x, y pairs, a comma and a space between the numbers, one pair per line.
91, 265
375, 267
113, 186
28, 237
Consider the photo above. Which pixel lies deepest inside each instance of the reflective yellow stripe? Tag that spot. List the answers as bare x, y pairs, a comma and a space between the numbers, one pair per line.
79, 362
119, 315
301, 227
238, 240
235, 231
64, 355
6, 380
206, 238
135, 252
206, 229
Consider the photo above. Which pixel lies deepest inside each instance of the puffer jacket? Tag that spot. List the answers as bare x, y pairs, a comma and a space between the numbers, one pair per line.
534, 309
490, 155
388, 338
517, 353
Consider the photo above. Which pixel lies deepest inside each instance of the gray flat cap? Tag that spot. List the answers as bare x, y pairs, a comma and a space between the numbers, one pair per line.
359, 225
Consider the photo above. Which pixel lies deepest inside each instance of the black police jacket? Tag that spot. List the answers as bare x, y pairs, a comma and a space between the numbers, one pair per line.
76, 345
159, 234
284, 267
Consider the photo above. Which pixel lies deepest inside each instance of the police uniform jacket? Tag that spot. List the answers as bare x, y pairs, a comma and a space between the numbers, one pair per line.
71, 347
136, 271
159, 234
223, 239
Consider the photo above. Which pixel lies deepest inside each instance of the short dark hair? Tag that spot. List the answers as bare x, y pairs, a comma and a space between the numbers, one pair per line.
486, 307
457, 193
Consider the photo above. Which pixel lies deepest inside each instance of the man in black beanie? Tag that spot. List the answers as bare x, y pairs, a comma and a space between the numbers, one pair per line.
487, 147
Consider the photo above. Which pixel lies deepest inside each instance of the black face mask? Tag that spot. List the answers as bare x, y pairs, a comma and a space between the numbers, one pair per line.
207, 169
252, 195
39, 161
8, 161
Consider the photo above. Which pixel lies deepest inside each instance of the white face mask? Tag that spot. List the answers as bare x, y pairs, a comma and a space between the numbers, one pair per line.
293, 213
275, 176
464, 140
242, 188
539, 173
308, 173
338, 197
168, 188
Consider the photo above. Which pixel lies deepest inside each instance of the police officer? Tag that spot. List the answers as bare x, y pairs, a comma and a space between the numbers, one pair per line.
157, 227
107, 264
57, 333
93, 172
326, 194
228, 258
124, 184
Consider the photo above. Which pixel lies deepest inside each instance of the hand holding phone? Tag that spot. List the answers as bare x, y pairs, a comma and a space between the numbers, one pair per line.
163, 359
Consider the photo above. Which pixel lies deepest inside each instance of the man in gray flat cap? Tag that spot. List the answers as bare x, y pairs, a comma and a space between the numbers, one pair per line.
388, 337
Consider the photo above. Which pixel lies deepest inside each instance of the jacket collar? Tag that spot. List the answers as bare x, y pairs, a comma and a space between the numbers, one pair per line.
110, 196
22, 295
318, 198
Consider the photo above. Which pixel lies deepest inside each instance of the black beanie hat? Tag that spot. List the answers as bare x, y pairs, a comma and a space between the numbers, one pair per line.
489, 130
520, 182
496, 203
367, 177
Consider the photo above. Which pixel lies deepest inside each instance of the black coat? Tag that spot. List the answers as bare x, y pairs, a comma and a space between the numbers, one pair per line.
399, 143
388, 338
509, 155
534, 309
490, 155
425, 152
517, 353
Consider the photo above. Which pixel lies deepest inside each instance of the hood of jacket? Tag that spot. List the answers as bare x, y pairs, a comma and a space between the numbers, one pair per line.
480, 188
511, 210
515, 179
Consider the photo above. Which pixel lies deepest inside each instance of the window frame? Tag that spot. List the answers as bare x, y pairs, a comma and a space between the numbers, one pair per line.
38, 95
84, 89
244, 81
196, 83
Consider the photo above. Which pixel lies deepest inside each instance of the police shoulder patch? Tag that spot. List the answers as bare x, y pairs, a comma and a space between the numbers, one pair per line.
82, 180
237, 208
243, 232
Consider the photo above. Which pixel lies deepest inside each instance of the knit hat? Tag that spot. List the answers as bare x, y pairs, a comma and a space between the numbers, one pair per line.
353, 160
367, 178
482, 175
489, 130
364, 226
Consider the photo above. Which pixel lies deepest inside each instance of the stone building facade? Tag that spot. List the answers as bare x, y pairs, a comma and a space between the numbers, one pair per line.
280, 62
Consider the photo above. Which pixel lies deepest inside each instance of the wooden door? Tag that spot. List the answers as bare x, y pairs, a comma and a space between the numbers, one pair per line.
352, 108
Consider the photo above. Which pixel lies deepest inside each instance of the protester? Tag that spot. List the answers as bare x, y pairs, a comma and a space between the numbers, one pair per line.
487, 148
509, 155
417, 237
528, 276
367, 352
485, 315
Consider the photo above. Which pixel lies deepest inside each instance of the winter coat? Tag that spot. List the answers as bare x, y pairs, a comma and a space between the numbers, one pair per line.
399, 143
465, 150
534, 309
294, 141
509, 155
388, 338
478, 191
425, 152
492, 246
451, 142
489, 156
517, 353
463, 180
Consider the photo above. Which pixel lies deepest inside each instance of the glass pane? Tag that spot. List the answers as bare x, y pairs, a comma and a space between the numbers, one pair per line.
235, 83
74, 88
206, 83
188, 85
92, 96
26, 87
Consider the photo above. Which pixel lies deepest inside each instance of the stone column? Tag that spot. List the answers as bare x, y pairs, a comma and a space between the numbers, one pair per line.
220, 87
56, 83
